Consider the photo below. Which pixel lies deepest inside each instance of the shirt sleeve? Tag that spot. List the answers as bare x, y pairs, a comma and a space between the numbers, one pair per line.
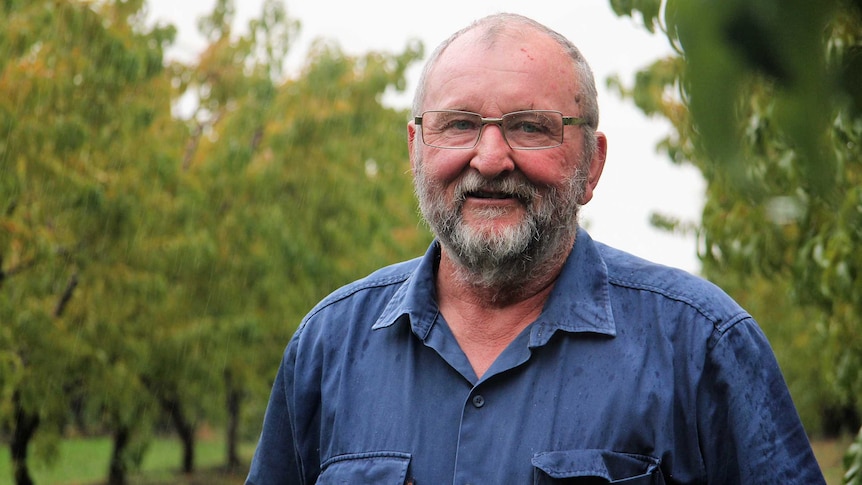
749, 429
275, 459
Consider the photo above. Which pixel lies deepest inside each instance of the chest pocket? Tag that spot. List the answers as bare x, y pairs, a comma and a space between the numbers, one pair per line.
588, 467
381, 467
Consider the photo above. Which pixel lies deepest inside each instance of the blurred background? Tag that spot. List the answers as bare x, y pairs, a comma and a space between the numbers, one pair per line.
180, 182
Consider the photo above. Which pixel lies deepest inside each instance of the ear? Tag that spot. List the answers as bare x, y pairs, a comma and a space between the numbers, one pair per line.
411, 143
596, 165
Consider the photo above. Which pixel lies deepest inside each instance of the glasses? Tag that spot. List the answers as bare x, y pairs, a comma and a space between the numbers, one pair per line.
522, 130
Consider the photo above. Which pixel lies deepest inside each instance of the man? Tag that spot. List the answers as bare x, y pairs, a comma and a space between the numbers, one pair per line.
518, 350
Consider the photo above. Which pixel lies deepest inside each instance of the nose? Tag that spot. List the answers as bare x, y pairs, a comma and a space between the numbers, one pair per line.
492, 155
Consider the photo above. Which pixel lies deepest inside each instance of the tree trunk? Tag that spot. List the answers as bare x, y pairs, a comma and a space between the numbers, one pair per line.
187, 434
25, 425
186, 430
234, 401
119, 464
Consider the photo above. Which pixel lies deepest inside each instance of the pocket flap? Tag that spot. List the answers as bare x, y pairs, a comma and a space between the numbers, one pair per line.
381, 467
612, 466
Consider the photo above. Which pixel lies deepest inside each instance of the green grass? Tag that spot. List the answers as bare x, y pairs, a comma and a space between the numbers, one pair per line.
85, 461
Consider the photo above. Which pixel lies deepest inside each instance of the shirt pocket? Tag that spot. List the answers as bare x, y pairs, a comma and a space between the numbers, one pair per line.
595, 467
378, 467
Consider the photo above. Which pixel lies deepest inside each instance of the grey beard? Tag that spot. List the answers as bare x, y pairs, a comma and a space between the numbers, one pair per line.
507, 259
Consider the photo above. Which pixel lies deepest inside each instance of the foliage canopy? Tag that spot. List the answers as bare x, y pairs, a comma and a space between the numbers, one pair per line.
152, 266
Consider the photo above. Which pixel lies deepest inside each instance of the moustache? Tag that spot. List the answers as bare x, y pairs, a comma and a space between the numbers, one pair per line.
472, 184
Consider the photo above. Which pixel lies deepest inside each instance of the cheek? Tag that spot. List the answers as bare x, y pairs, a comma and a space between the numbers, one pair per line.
549, 169
444, 166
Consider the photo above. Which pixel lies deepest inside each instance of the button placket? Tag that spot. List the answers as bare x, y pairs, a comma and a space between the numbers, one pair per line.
471, 453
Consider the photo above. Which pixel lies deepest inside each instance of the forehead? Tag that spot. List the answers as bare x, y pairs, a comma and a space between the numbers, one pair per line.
503, 71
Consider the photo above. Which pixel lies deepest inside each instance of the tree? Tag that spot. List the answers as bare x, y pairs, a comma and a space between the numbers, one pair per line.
765, 99
75, 208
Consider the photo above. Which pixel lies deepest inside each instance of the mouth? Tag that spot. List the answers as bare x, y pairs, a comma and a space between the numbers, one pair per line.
481, 194
505, 189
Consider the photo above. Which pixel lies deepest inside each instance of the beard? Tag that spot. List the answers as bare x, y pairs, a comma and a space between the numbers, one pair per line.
502, 259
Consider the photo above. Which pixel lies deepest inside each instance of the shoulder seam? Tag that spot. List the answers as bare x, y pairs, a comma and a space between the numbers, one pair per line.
400, 272
356, 287
718, 325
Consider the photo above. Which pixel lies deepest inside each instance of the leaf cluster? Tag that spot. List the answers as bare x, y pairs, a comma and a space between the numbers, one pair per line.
764, 99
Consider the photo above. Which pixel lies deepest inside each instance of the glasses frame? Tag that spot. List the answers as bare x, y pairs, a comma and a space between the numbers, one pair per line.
567, 121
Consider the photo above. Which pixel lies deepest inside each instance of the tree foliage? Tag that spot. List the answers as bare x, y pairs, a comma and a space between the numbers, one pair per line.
78, 288
765, 98
152, 266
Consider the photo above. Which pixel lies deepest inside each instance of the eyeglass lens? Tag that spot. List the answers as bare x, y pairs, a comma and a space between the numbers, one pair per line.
521, 129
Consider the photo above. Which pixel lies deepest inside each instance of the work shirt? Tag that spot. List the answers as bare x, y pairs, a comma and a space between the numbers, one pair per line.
633, 373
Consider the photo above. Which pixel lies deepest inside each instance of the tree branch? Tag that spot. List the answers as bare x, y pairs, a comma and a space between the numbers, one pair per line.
66, 296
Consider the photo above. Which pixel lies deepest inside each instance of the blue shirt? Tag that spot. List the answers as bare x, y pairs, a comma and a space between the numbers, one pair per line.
632, 371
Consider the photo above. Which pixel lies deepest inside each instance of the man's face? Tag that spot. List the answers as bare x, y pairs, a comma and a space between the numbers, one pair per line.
492, 205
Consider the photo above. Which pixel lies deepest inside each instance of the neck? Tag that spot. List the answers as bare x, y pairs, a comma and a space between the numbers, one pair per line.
486, 319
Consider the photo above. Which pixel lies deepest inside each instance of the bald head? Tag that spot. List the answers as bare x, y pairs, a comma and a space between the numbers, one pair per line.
492, 29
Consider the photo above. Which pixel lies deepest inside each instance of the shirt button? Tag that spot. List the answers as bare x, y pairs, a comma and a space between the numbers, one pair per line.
478, 401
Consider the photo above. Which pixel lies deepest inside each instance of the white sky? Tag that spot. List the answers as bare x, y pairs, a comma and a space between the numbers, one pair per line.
636, 180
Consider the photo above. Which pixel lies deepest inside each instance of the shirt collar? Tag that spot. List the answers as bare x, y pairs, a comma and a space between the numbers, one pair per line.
416, 298
579, 302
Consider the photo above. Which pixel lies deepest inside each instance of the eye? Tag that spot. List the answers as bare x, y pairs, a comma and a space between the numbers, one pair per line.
530, 127
460, 124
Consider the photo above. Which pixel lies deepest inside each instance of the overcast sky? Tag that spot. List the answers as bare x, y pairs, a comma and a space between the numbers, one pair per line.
636, 181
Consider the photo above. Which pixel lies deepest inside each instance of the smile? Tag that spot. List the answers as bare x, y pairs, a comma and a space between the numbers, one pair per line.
490, 195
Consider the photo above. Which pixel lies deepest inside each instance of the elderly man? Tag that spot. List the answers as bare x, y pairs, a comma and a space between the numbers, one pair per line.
519, 350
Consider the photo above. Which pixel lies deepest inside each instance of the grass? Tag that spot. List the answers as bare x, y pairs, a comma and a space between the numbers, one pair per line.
84, 461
